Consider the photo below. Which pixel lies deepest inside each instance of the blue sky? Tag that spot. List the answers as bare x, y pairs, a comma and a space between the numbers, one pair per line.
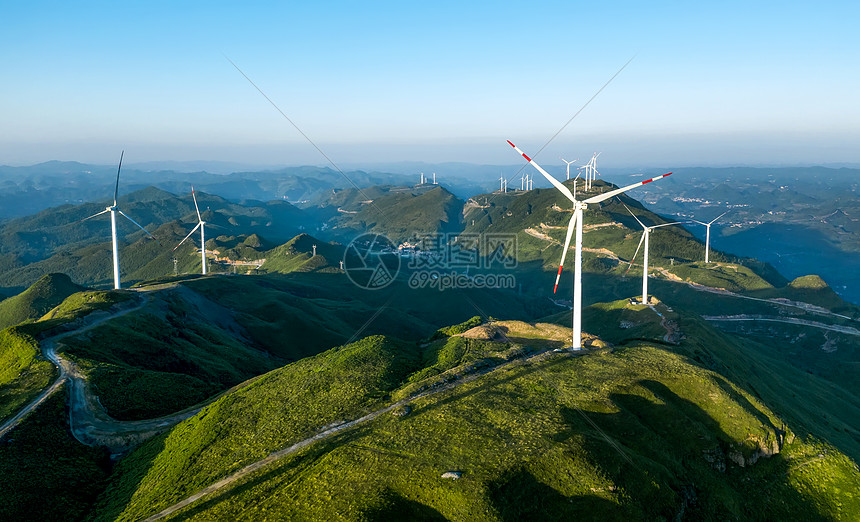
718, 84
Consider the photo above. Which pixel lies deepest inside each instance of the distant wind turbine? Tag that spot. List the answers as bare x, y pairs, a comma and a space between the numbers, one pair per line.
114, 209
590, 170
645, 235
708, 233
576, 221
568, 165
202, 226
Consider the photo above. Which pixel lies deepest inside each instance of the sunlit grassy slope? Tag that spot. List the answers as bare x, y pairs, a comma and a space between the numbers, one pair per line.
36, 301
22, 374
23, 371
641, 431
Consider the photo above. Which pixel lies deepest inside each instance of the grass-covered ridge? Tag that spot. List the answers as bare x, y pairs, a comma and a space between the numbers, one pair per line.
286, 405
36, 301
638, 433
175, 351
23, 373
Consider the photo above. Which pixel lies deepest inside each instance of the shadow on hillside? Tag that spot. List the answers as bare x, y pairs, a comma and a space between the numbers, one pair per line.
519, 495
396, 507
123, 485
748, 406
674, 461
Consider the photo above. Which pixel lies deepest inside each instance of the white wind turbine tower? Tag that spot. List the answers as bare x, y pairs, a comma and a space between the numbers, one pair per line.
576, 220
708, 233
202, 226
114, 209
568, 165
645, 235
590, 170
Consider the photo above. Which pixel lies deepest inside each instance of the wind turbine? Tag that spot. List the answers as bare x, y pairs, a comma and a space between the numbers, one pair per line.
708, 233
645, 235
202, 226
568, 165
576, 220
114, 209
590, 170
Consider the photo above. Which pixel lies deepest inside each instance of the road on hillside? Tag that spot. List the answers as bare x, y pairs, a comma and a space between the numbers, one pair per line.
230, 480
789, 320
89, 422
47, 347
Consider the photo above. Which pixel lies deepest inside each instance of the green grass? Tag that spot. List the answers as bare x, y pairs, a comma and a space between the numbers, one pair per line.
131, 393
627, 434
735, 278
83, 303
23, 373
297, 255
36, 301
456, 329
284, 406
45, 474
163, 358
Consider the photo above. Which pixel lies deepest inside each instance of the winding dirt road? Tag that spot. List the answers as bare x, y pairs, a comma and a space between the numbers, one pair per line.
89, 422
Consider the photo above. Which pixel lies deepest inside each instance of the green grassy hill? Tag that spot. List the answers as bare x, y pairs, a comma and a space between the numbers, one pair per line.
57, 240
539, 220
397, 212
188, 343
641, 431
36, 301
24, 373
297, 255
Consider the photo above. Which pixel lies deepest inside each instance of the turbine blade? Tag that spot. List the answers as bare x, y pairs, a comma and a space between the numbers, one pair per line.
94, 215
186, 237
718, 217
570, 226
195, 204
116, 188
632, 214
630, 264
602, 197
699, 222
556, 183
138, 225
667, 224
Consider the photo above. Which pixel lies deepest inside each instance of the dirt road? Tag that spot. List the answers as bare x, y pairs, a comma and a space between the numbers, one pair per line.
89, 422
230, 480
